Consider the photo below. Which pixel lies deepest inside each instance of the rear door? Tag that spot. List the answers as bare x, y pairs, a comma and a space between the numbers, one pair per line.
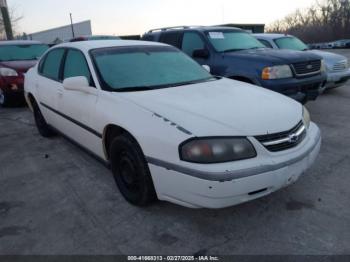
77, 108
49, 84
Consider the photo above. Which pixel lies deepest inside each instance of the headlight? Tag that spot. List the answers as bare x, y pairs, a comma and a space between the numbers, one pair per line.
7, 72
216, 150
323, 66
276, 72
306, 117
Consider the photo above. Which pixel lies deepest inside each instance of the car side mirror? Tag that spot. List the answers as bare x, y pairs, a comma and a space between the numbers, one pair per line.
206, 67
77, 83
200, 53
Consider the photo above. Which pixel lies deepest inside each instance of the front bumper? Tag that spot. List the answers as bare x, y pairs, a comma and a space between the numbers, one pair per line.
13, 87
300, 89
222, 188
337, 79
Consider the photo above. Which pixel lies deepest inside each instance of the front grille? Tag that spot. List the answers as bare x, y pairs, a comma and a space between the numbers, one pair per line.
307, 68
341, 66
284, 140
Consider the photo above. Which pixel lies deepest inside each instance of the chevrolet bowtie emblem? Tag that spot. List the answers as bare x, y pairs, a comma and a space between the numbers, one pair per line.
293, 138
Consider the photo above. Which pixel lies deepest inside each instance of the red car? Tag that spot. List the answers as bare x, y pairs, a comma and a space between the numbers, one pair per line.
16, 58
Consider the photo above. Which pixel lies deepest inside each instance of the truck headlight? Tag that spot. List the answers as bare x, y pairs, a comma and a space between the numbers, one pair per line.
7, 72
276, 72
306, 117
216, 150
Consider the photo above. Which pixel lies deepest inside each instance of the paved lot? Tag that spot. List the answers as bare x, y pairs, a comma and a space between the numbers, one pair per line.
56, 199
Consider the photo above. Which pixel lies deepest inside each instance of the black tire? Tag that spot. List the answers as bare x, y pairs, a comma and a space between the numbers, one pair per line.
44, 129
4, 101
131, 172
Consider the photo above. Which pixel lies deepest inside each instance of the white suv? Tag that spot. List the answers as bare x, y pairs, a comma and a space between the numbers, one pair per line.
168, 128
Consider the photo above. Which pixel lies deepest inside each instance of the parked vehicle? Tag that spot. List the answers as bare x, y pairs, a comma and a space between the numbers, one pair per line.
341, 43
16, 57
337, 66
236, 54
94, 37
168, 128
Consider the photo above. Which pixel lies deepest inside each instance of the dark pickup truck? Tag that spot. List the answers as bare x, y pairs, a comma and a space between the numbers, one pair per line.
236, 54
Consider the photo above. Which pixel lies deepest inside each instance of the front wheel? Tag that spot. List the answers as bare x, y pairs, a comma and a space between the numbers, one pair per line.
131, 172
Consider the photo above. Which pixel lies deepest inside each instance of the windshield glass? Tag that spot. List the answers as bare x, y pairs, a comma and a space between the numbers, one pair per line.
21, 52
145, 67
291, 43
227, 41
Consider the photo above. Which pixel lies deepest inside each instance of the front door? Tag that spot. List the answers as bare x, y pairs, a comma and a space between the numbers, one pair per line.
78, 108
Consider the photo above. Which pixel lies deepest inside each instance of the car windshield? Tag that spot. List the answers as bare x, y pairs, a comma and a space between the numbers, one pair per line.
291, 43
230, 41
21, 52
141, 68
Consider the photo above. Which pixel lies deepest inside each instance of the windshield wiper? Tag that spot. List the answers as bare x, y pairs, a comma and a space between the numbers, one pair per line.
194, 82
147, 88
232, 50
241, 49
134, 89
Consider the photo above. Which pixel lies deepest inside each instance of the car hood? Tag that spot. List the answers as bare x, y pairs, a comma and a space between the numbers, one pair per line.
221, 108
329, 58
19, 66
274, 56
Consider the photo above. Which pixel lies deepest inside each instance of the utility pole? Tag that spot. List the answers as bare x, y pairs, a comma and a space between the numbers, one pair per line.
71, 24
6, 18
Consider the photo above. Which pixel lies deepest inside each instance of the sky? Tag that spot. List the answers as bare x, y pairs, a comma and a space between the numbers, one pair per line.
124, 17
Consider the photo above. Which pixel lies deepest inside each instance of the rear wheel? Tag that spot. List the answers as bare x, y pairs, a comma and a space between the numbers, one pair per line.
131, 172
44, 129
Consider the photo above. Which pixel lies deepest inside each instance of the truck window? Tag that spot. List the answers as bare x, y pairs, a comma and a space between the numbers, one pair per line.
191, 42
265, 43
171, 38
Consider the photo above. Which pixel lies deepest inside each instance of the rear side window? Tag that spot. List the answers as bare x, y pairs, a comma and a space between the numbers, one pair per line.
191, 42
52, 64
148, 37
171, 38
76, 65
265, 43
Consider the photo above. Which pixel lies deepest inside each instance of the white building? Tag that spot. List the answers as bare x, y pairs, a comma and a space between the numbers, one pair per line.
60, 34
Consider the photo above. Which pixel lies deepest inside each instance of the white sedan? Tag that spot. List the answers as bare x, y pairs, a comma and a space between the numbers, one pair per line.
169, 129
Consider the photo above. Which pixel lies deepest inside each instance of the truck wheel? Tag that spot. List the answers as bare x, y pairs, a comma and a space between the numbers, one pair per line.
131, 172
44, 129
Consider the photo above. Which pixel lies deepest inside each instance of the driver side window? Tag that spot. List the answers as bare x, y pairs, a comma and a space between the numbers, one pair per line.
76, 65
191, 42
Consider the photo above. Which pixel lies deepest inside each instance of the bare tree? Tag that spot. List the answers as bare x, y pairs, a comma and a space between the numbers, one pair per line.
324, 21
15, 18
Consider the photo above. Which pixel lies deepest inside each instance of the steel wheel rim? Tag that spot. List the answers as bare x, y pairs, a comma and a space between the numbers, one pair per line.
128, 173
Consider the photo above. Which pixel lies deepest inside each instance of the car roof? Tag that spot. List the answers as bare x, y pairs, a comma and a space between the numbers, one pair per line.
271, 36
95, 44
97, 36
20, 42
192, 28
